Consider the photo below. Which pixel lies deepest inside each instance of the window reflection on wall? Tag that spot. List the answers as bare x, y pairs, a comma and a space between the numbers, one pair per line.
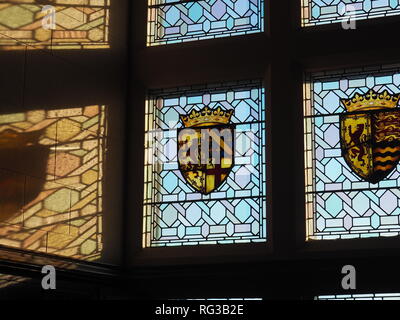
79, 24
51, 181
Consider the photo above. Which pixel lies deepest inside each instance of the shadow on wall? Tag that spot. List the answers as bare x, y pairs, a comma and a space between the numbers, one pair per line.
74, 24
15, 148
51, 171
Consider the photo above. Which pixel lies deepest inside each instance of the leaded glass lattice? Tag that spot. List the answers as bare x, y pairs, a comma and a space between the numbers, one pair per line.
174, 213
172, 21
317, 12
365, 296
338, 203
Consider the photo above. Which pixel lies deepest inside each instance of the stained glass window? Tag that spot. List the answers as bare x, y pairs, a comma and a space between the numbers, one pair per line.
368, 296
176, 210
317, 12
342, 202
78, 24
173, 21
51, 172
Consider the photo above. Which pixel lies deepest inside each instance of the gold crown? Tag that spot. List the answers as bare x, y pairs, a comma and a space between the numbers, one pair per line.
371, 100
206, 117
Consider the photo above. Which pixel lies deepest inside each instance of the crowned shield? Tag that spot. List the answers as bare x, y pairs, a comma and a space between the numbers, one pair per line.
370, 135
206, 148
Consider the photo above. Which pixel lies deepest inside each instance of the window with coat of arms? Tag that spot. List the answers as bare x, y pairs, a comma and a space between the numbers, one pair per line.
352, 123
205, 179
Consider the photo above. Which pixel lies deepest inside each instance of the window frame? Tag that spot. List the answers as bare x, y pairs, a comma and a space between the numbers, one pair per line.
235, 252
282, 54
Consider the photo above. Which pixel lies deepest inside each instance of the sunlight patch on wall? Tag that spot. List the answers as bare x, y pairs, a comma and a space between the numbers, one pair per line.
51, 171
79, 24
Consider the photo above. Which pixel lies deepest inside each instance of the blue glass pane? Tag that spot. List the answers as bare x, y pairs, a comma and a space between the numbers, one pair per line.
205, 222
317, 12
177, 21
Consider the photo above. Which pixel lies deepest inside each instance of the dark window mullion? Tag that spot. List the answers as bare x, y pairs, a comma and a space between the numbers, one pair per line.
173, 3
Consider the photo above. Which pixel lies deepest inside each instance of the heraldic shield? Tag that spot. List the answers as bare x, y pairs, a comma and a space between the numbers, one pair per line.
370, 134
206, 148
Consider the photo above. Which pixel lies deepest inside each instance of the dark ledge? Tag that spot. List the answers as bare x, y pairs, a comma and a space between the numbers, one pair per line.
29, 264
